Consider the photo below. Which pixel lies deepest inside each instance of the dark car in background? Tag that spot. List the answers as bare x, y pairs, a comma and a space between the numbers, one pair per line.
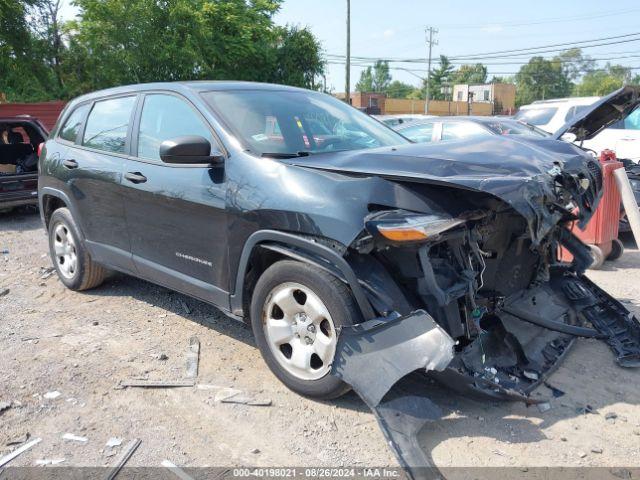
439, 129
20, 139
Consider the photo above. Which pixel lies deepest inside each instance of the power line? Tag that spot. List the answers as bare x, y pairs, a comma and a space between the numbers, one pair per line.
531, 51
522, 62
572, 44
522, 23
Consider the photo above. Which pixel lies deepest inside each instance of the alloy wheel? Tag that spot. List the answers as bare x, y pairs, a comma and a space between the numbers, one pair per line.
300, 331
64, 246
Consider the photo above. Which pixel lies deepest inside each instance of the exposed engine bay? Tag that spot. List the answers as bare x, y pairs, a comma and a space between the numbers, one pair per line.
493, 309
510, 306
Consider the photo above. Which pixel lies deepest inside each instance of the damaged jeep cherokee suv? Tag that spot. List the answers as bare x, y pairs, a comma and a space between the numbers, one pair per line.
358, 256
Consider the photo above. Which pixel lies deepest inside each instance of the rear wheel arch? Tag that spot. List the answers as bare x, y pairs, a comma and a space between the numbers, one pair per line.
51, 203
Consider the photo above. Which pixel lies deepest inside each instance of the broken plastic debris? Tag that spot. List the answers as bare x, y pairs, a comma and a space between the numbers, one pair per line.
177, 471
372, 356
124, 457
52, 395
75, 438
49, 461
543, 407
113, 442
7, 458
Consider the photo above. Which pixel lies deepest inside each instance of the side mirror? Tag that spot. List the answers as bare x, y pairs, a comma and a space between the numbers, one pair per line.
189, 149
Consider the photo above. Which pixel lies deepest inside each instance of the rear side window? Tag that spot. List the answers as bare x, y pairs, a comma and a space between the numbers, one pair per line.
165, 117
108, 123
71, 127
536, 116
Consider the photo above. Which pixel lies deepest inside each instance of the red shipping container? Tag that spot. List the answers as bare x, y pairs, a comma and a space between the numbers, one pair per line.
602, 229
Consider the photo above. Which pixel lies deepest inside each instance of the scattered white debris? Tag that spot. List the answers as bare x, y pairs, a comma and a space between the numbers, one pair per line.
177, 471
75, 438
113, 442
52, 395
543, 407
7, 458
49, 461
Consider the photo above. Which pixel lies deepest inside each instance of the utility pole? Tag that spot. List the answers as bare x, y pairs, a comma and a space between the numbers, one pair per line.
430, 32
347, 88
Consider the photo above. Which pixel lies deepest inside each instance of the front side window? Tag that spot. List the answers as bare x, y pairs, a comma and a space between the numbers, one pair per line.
71, 127
536, 116
421, 133
308, 122
462, 130
165, 117
108, 123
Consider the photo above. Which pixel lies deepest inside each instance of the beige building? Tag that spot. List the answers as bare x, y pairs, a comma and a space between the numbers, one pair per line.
502, 96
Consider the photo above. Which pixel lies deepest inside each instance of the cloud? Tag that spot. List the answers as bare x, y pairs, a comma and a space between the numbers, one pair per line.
388, 33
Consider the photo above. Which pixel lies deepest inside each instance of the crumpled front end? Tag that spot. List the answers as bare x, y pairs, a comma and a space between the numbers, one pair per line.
485, 280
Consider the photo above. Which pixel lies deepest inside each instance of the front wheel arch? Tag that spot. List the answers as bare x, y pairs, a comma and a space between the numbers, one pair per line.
287, 245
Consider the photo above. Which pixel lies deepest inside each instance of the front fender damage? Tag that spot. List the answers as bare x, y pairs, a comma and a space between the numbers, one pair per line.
374, 355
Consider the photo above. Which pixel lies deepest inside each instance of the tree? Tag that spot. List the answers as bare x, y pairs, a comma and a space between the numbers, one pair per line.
22, 61
574, 64
298, 61
604, 81
540, 79
468, 74
398, 89
440, 77
376, 79
115, 42
365, 84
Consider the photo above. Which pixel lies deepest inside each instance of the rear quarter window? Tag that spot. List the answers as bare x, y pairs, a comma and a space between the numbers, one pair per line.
71, 127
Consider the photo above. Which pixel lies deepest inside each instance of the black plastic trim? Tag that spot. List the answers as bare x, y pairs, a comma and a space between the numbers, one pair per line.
323, 254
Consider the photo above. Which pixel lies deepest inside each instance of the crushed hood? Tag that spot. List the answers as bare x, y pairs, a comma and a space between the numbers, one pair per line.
602, 114
522, 173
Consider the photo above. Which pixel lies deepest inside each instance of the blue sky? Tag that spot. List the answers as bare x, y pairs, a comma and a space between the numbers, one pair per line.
395, 28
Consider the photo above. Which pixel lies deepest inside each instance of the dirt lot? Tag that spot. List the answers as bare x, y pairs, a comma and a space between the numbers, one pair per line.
83, 344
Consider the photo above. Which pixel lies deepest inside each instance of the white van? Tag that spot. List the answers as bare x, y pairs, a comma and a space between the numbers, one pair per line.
623, 137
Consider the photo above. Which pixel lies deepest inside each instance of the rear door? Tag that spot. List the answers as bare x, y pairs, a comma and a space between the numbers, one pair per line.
93, 168
176, 213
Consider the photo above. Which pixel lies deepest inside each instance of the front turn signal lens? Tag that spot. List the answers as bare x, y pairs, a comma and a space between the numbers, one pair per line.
414, 228
397, 234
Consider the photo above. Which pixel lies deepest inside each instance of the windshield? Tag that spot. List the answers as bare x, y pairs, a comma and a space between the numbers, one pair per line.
515, 128
536, 116
294, 122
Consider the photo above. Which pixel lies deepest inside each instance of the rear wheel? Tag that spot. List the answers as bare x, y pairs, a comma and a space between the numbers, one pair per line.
70, 258
296, 311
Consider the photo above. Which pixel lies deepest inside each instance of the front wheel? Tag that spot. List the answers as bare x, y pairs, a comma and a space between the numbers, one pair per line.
296, 310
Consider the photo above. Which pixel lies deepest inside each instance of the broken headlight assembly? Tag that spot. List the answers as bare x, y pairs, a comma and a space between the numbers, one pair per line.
401, 226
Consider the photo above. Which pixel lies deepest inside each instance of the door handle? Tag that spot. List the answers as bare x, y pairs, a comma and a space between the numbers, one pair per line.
135, 177
70, 164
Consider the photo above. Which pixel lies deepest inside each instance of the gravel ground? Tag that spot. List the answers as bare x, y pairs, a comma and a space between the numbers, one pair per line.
83, 345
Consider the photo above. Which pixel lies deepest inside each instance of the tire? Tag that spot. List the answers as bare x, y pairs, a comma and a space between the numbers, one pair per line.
598, 257
617, 249
309, 296
75, 268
